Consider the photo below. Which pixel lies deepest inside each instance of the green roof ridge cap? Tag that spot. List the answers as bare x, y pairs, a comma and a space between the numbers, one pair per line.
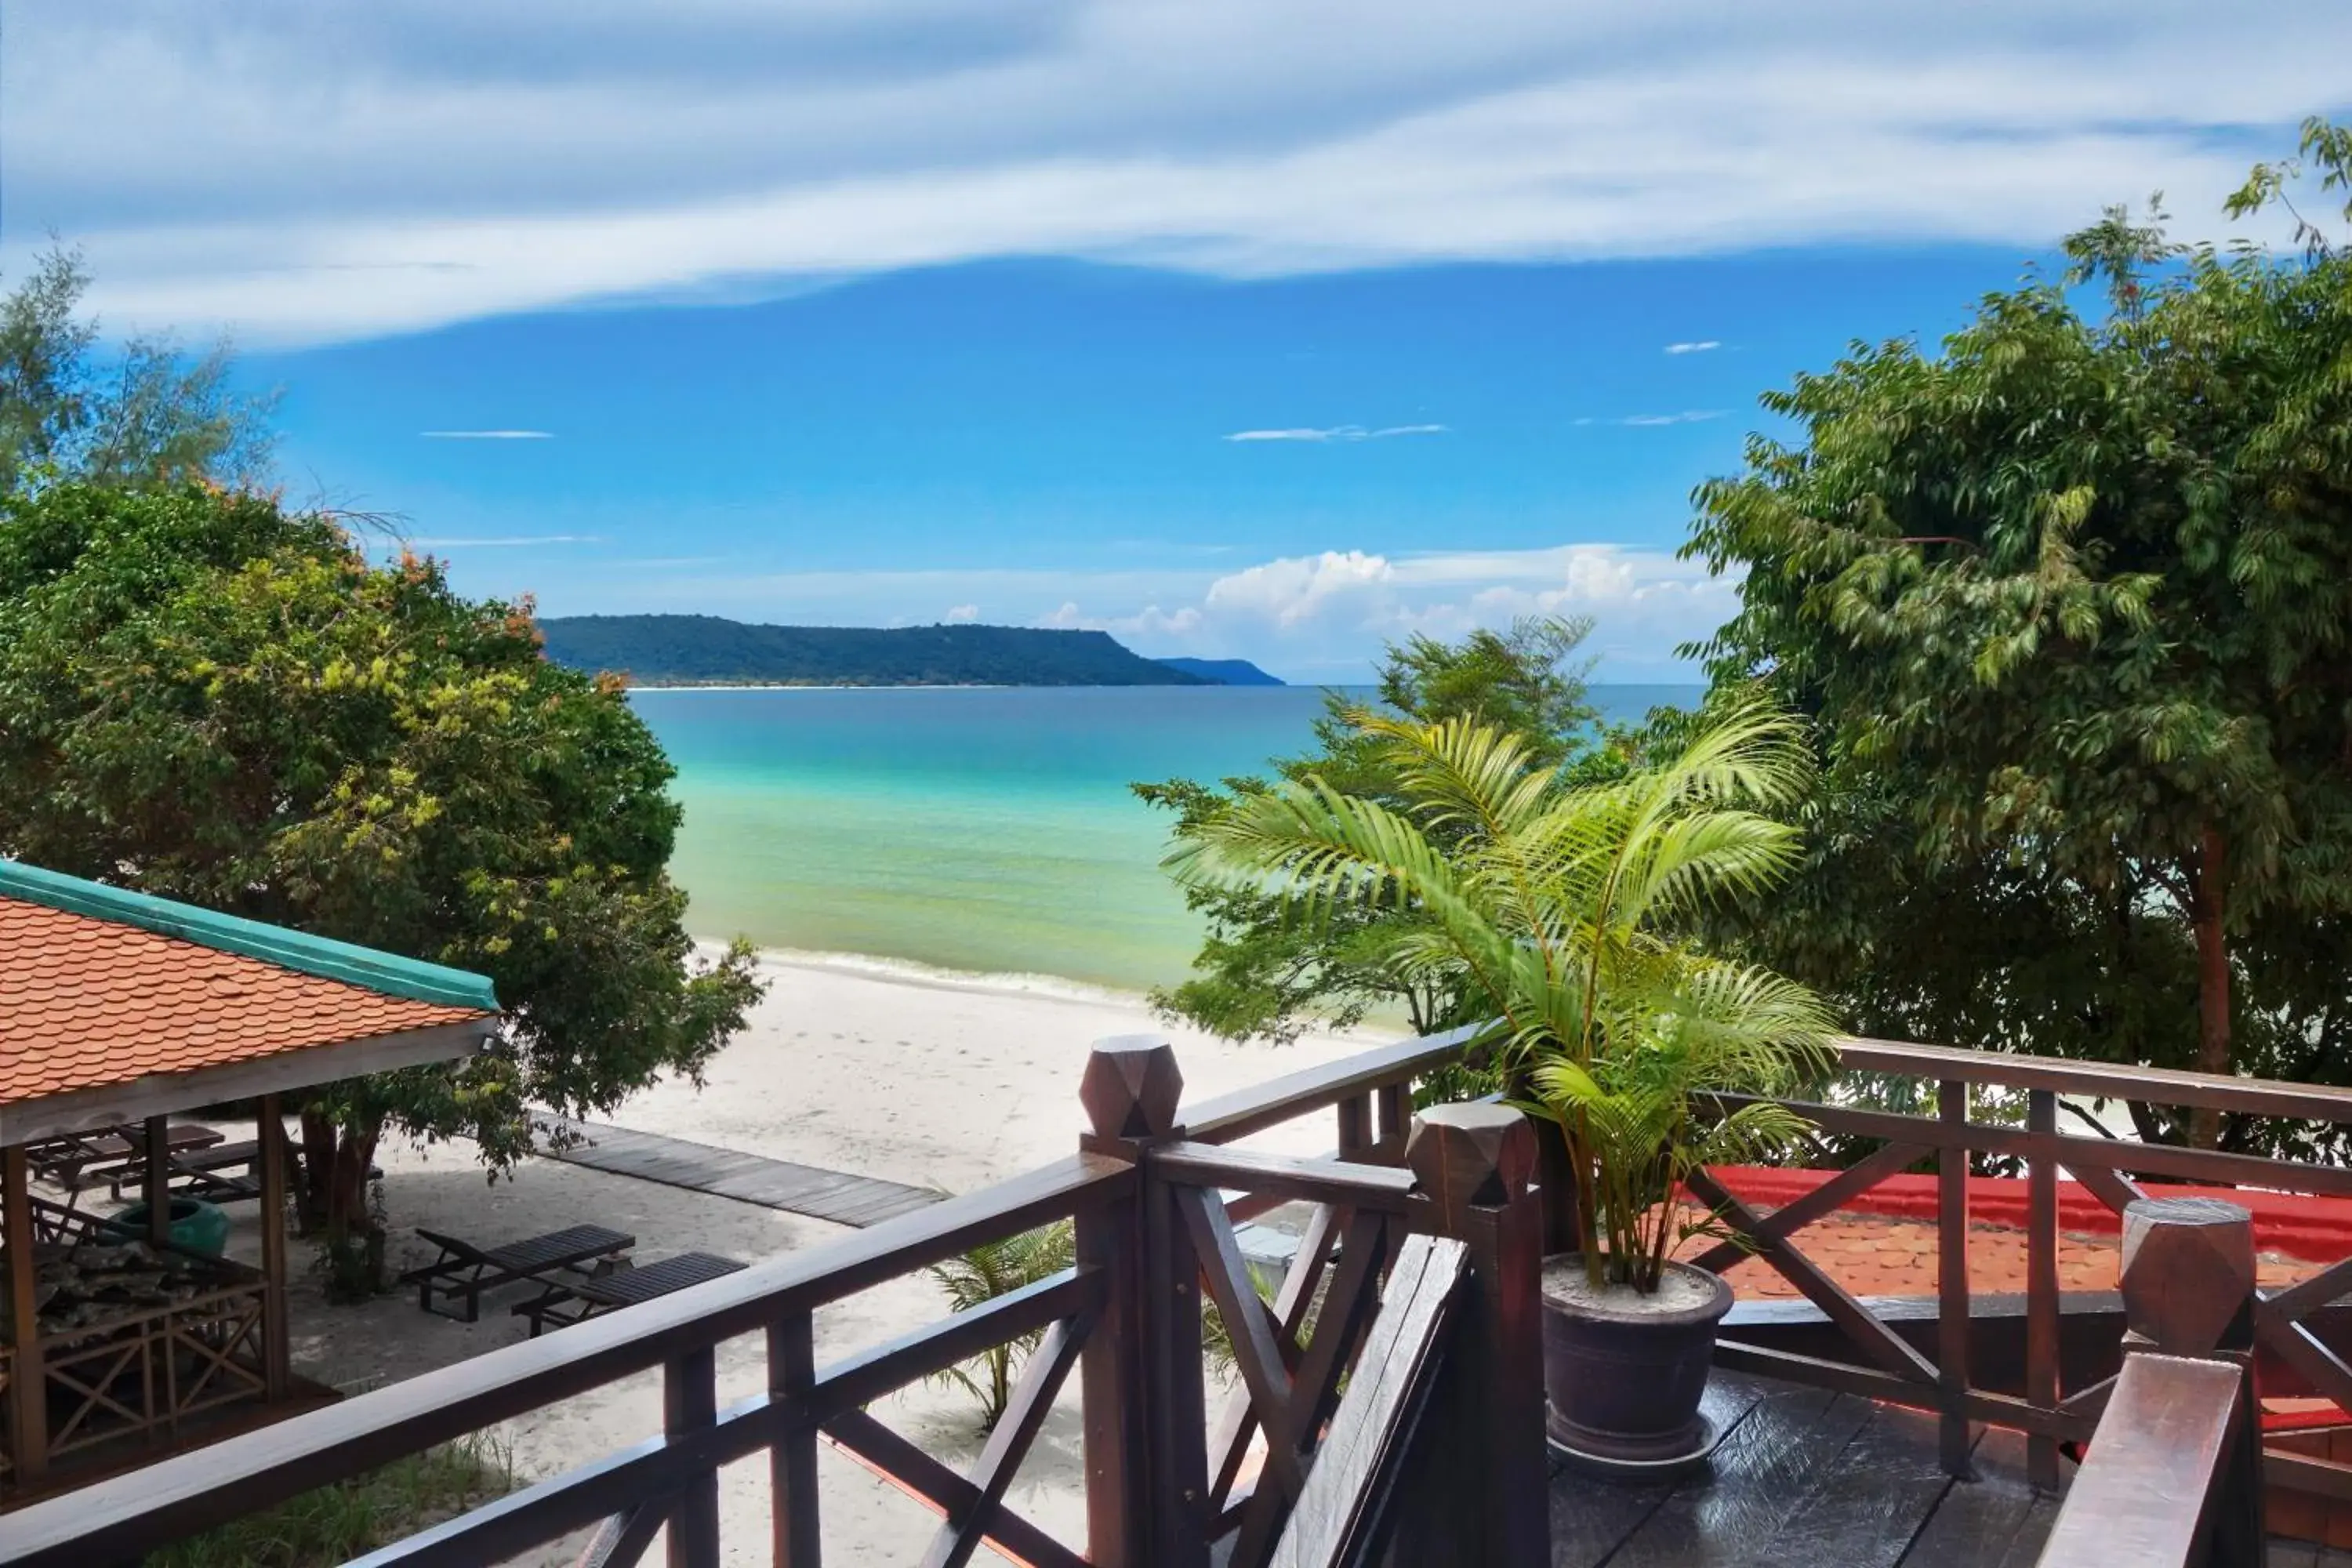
323, 956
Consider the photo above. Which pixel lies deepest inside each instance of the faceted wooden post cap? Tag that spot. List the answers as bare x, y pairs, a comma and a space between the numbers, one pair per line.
1132, 1088
2188, 1271
1476, 1155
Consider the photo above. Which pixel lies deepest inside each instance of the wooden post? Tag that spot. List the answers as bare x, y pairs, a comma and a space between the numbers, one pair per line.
2042, 1280
158, 1159
1131, 1370
1475, 1166
1952, 1329
276, 1362
689, 1405
2188, 1289
29, 1404
2188, 1276
792, 1462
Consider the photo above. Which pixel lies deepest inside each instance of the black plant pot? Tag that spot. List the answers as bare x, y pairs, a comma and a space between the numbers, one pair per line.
1623, 1374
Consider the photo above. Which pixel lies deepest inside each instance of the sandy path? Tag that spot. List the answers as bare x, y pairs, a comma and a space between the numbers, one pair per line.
919, 1079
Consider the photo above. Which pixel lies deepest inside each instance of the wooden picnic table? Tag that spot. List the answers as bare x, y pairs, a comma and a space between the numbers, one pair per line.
84, 1158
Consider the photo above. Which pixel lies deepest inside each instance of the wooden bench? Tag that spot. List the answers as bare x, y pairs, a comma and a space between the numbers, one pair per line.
463, 1271
575, 1301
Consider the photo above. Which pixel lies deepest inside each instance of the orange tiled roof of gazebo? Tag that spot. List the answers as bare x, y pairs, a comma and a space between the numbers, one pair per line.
86, 1002
1879, 1254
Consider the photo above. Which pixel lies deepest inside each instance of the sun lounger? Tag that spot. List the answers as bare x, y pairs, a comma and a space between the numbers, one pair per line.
576, 1300
463, 1271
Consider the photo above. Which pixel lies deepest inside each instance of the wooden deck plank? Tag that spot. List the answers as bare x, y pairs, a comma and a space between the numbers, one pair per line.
1757, 1478
1865, 1507
1592, 1519
1977, 1520
838, 1196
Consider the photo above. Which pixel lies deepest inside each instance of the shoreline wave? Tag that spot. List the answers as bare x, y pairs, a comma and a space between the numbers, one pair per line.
938, 977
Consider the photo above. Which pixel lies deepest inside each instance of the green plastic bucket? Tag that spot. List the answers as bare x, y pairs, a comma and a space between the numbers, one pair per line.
196, 1225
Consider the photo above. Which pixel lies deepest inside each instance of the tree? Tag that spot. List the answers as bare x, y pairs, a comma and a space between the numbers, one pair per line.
212, 699
2068, 602
144, 414
1551, 907
1263, 975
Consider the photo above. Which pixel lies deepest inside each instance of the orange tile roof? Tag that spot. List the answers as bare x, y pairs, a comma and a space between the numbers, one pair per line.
1874, 1255
87, 1003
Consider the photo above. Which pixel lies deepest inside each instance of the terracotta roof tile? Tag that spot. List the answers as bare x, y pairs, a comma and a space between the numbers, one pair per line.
1874, 1255
87, 1003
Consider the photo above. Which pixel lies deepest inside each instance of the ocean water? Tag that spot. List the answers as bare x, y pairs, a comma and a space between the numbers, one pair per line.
987, 830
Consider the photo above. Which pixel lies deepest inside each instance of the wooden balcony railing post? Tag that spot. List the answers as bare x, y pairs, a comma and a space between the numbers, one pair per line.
2188, 1289
29, 1406
792, 1462
1952, 1330
270, 1136
1145, 1427
2042, 1389
1474, 1168
2174, 1473
691, 1404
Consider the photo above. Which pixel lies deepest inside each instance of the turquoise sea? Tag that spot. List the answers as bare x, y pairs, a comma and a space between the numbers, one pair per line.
979, 829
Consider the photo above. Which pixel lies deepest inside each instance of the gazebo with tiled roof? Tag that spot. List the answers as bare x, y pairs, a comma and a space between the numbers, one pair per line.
117, 1009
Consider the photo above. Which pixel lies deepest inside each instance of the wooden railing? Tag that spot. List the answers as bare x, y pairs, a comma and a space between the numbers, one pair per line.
2173, 1477
1126, 1320
2052, 1402
1154, 1192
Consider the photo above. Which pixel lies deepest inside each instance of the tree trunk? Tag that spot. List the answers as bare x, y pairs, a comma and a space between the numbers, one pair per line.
318, 1168
335, 1165
2209, 894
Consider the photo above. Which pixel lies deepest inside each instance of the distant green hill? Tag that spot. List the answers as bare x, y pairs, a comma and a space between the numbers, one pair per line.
708, 650
1225, 671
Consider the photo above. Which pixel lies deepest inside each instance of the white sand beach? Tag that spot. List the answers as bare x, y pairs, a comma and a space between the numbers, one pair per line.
928, 1080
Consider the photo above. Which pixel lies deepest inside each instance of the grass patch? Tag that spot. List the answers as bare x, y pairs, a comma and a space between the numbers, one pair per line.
338, 1522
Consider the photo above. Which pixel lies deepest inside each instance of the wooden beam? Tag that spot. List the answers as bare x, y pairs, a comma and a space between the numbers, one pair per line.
1355, 1468
1237, 1115
2148, 1491
1955, 1444
2041, 1384
276, 1361
960, 1533
155, 1153
2101, 1080
29, 1427
1286, 1176
158, 1094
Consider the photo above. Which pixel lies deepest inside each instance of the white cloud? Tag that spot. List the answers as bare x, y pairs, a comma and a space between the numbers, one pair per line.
1337, 433
963, 614
305, 172
1652, 421
486, 435
1065, 619
1704, 346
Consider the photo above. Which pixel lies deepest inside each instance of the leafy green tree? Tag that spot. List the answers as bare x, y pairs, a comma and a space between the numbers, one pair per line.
209, 698
1264, 975
143, 414
2069, 602
1552, 907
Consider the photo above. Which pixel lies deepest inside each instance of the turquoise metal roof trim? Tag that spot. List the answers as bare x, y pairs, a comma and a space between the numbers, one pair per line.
323, 956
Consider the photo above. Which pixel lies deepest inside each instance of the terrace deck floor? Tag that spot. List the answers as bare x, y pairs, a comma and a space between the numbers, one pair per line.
1809, 1480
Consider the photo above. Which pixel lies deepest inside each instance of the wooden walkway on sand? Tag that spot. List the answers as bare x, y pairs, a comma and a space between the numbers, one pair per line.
834, 1195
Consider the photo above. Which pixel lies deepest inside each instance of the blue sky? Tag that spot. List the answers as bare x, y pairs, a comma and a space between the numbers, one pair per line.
1236, 329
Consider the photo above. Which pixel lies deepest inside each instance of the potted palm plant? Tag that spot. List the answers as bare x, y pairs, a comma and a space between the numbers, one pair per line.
1558, 910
